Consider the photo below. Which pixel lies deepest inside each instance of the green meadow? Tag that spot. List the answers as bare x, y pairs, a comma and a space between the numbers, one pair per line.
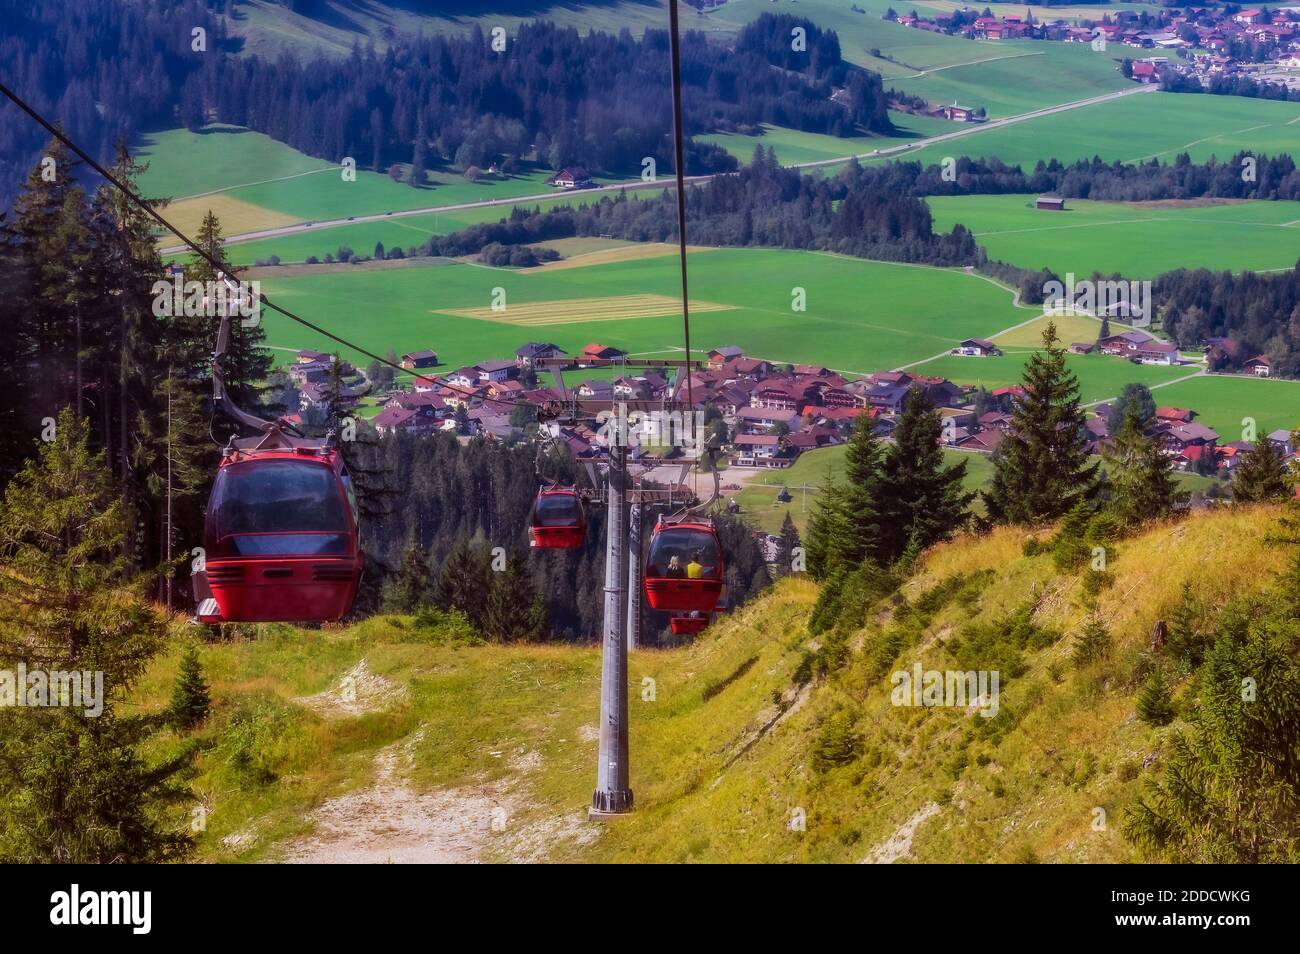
403, 232
793, 146
255, 183
861, 316
1225, 402
183, 164
1138, 239
1132, 128
905, 50
1100, 376
758, 503
1020, 76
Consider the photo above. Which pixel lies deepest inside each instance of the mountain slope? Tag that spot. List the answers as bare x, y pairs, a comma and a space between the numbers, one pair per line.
435, 750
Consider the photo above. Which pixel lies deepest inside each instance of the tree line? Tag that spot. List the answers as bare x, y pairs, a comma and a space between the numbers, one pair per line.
1258, 312
1243, 176
597, 100
106, 70
763, 204
431, 544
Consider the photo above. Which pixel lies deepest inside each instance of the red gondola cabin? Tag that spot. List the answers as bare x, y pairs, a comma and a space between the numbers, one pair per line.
689, 625
558, 521
281, 535
684, 571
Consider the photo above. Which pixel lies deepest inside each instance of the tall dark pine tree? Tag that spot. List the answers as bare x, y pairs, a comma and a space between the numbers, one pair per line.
920, 501
466, 581
247, 362
789, 543
39, 235
514, 611
1042, 468
1261, 475
849, 518
1140, 483
411, 586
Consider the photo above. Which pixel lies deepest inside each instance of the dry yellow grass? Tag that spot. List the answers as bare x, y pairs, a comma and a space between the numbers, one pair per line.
579, 310
606, 256
1069, 328
235, 215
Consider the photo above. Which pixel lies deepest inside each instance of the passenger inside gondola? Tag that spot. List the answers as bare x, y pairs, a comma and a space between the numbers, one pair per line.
683, 552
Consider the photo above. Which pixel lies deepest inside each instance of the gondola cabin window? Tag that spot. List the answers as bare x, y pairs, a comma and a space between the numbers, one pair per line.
684, 553
278, 508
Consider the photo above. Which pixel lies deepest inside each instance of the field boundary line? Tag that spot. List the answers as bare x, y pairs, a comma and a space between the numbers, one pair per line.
954, 66
246, 185
1197, 142
1202, 373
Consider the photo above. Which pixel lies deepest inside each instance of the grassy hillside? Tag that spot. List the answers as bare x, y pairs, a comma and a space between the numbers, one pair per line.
253, 182
1155, 125
1137, 239
1019, 76
268, 27
382, 741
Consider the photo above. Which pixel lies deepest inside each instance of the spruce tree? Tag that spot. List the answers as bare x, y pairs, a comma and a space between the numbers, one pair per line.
412, 586
465, 582
76, 788
247, 361
45, 343
1070, 545
1091, 645
1261, 475
1138, 398
919, 500
190, 696
822, 522
510, 614
1155, 702
1140, 483
855, 530
789, 543
1042, 469
1229, 792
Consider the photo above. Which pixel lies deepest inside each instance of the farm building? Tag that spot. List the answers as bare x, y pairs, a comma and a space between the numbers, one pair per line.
976, 348
961, 114
1051, 203
419, 359
526, 355
1260, 366
1125, 343
496, 370
572, 177
720, 356
1157, 352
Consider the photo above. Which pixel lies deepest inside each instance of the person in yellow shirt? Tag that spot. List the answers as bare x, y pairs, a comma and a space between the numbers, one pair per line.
695, 569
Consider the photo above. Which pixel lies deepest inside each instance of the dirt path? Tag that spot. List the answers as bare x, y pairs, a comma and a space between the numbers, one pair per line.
899, 845
390, 823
